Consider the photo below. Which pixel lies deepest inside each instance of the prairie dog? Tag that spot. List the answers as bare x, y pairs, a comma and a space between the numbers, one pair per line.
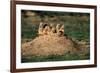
40, 30
41, 25
46, 30
57, 27
62, 28
61, 31
53, 30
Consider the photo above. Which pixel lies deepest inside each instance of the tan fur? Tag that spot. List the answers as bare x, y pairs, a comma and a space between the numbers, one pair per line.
51, 29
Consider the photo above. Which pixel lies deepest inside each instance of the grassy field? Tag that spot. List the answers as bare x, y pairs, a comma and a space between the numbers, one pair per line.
77, 26
65, 57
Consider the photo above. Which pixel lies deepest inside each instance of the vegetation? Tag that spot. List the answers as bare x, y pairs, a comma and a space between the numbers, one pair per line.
65, 57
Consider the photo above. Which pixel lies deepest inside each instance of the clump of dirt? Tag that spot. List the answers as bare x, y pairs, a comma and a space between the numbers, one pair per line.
50, 45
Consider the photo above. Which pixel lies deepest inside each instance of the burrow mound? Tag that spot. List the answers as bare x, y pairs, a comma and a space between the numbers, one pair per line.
50, 45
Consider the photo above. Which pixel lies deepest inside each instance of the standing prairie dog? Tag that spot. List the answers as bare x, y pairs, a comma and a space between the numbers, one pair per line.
49, 30
62, 28
40, 30
61, 31
57, 27
53, 30
46, 30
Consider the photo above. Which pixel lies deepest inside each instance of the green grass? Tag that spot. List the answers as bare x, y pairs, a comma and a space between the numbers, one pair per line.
77, 25
65, 57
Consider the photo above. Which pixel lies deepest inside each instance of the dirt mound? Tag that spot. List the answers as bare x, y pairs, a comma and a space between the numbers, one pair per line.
49, 45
